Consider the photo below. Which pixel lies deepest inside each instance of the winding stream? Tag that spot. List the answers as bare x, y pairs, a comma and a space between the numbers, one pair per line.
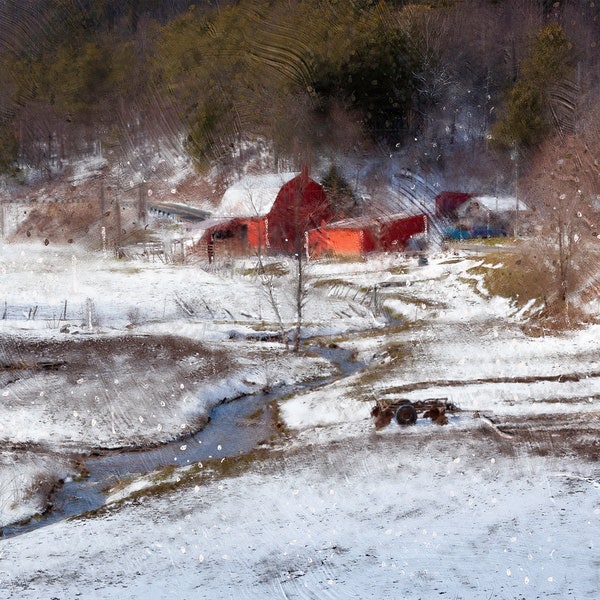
235, 428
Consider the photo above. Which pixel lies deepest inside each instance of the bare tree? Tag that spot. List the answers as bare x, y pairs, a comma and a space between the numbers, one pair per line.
266, 274
300, 291
561, 191
297, 248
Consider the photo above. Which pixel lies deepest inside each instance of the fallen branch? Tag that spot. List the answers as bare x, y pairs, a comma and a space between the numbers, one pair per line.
487, 421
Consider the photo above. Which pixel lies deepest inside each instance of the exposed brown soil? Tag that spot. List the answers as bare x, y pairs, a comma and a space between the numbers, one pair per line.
57, 211
76, 356
559, 435
84, 223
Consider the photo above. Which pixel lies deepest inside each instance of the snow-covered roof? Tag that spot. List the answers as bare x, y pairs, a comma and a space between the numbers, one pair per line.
253, 195
366, 221
495, 204
351, 223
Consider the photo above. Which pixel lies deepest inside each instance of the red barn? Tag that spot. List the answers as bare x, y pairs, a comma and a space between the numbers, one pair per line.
269, 212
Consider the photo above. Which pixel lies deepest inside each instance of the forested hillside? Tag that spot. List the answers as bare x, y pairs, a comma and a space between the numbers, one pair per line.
443, 83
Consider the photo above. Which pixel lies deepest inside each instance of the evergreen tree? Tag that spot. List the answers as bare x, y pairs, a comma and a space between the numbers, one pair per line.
526, 120
339, 192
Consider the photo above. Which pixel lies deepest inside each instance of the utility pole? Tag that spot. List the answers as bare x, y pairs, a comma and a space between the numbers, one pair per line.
514, 155
142, 202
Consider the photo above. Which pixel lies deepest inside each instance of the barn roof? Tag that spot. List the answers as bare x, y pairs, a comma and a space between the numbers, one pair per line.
366, 221
498, 204
252, 196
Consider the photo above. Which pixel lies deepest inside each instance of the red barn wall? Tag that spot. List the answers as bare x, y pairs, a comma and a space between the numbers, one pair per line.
257, 233
342, 241
394, 234
301, 205
446, 203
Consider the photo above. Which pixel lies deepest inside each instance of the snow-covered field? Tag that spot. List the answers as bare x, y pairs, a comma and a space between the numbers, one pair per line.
503, 502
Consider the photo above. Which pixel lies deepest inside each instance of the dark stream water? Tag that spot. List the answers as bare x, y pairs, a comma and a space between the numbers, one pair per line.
235, 428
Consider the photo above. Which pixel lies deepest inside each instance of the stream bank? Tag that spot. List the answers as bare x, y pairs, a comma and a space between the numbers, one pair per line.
235, 428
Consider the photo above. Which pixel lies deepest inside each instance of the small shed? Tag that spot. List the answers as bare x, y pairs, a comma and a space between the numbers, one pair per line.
356, 237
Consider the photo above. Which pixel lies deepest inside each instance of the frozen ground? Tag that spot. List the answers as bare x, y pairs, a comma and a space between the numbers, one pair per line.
503, 502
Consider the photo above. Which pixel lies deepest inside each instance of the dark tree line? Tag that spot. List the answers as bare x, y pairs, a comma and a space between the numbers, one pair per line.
78, 74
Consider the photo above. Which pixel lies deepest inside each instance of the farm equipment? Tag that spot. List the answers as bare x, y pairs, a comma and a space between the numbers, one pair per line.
406, 412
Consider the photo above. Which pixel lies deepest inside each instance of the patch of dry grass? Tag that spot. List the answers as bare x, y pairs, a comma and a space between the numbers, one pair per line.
519, 276
525, 275
331, 283
276, 269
